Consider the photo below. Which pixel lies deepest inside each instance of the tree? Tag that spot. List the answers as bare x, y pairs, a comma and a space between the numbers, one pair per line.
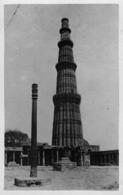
15, 138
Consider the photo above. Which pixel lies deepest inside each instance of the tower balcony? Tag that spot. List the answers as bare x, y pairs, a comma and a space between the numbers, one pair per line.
66, 97
65, 65
66, 41
64, 29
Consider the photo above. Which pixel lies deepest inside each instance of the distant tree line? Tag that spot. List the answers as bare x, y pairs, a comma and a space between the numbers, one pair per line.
15, 138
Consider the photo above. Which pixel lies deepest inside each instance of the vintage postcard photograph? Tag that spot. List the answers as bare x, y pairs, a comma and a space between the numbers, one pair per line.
61, 97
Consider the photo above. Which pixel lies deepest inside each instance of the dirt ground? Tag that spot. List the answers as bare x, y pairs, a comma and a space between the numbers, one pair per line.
79, 178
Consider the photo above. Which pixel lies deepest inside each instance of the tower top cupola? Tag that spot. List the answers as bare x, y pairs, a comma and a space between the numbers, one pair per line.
65, 25
65, 22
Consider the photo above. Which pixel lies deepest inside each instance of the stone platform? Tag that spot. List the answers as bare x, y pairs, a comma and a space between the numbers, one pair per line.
13, 164
31, 181
65, 163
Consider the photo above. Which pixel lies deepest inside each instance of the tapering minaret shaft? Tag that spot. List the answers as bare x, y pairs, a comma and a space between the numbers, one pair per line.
33, 170
67, 127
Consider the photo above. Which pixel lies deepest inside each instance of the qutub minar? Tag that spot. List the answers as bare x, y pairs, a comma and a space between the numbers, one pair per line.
67, 125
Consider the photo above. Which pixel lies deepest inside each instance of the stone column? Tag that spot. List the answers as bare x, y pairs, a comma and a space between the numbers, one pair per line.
21, 159
38, 157
105, 159
110, 158
81, 158
33, 170
57, 155
6, 158
43, 157
13, 156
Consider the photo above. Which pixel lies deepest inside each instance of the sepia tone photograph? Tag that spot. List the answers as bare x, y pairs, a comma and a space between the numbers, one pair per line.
61, 91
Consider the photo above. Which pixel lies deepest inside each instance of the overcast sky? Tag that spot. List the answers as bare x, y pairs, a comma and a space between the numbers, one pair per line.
31, 53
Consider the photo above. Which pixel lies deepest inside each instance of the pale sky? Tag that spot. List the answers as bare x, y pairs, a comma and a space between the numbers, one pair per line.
31, 53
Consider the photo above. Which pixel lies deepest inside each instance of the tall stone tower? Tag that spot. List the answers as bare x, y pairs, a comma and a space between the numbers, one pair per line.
67, 126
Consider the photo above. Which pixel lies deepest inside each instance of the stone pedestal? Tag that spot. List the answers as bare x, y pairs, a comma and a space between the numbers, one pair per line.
64, 164
31, 181
13, 164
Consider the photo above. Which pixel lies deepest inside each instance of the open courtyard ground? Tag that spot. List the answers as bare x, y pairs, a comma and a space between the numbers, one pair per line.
79, 178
